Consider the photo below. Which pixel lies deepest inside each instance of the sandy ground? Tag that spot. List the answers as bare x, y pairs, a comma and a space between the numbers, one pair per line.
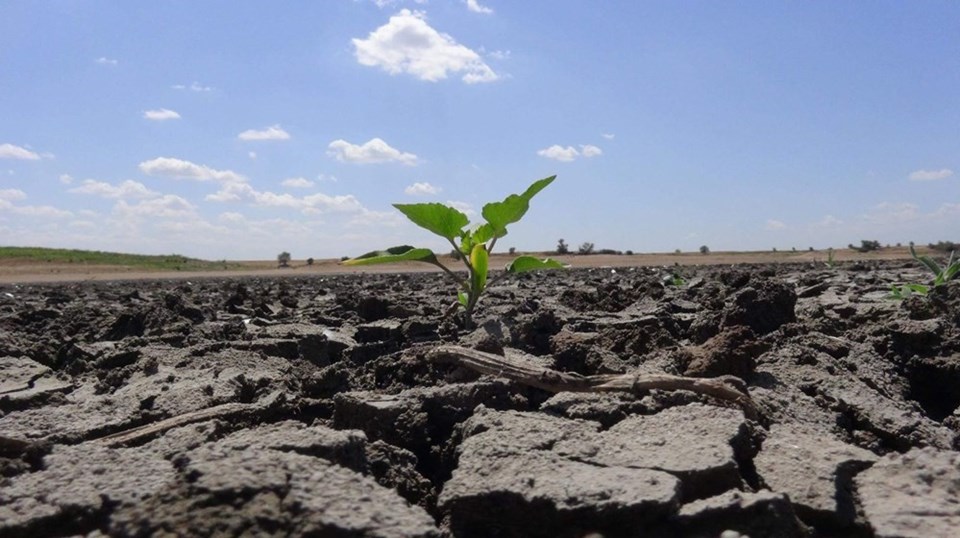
18, 272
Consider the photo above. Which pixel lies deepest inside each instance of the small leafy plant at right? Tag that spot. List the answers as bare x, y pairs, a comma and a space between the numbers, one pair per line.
941, 275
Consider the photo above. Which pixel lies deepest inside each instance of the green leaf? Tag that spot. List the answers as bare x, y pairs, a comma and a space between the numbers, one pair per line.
477, 236
440, 219
512, 209
927, 261
462, 297
919, 289
528, 263
480, 260
403, 253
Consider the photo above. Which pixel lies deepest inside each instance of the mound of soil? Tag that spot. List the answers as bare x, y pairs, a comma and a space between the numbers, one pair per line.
310, 406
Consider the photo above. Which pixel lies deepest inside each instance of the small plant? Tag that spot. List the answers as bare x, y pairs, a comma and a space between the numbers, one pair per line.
941, 275
563, 247
283, 259
831, 262
473, 244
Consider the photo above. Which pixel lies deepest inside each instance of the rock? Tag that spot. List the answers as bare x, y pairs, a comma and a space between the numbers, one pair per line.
747, 514
816, 472
912, 494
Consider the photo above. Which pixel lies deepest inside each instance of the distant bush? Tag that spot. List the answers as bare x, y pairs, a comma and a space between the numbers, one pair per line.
866, 246
512, 250
283, 259
586, 248
629, 253
704, 249
944, 246
562, 247
678, 251
309, 261
610, 251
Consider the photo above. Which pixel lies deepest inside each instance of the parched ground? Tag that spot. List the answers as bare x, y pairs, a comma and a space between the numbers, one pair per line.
14, 270
305, 402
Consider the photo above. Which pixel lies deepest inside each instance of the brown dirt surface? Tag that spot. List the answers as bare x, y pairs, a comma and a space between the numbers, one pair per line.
308, 402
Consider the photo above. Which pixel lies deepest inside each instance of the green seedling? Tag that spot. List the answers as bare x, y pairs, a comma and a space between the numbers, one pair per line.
831, 262
941, 275
473, 243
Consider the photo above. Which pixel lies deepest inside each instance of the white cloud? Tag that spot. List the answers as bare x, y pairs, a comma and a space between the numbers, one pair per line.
297, 183
559, 153
373, 151
589, 150
9, 151
180, 169
161, 114
66, 179
274, 132
888, 212
252, 154
44, 211
930, 175
608, 136
195, 87
419, 189
166, 206
127, 189
474, 6
500, 55
828, 221
464, 207
312, 203
407, 44
773, 224
103, 60
12, 194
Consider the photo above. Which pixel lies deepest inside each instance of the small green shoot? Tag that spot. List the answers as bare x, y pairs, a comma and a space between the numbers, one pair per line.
474, 243
942, 275
831, 262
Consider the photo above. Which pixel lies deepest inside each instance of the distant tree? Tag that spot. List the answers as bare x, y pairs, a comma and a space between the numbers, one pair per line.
677, 251
704, 249
810, 249
283, 259
512, 250
586, 248
774, 249
562, 247
309, 261
866, 245
629, 253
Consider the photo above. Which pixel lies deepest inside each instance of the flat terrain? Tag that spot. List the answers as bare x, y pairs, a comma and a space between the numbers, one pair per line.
14, 270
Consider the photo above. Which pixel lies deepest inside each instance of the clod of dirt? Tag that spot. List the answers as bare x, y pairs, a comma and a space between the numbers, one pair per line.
732, 352
763, 306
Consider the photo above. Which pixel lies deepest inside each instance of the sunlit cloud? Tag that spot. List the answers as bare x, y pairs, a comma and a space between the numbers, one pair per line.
421, 189
930, 175
373, 151
10, 151
407, 44
274, 132
161, 114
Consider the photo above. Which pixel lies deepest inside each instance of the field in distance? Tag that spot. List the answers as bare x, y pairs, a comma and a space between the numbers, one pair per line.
29, 264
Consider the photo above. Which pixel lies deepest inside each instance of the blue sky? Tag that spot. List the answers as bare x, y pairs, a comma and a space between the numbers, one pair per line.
236, 129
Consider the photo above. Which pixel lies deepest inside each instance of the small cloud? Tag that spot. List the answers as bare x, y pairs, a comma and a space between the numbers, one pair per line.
274, 132
127, 189
407, 44
180, 169
161, 114
774, 224
66, 179
421, 189
325, 177
103, 60
559, 153
828, 221
930, 175
252, 154
297, 183
474, 6
463, 207
609, 136
194, 87
500, 55
373, 151
10, 195
9, 151
588, 150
